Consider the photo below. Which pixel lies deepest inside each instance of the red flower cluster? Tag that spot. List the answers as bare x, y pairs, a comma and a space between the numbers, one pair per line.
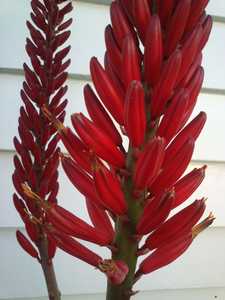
149, 85
37, 156
147, 91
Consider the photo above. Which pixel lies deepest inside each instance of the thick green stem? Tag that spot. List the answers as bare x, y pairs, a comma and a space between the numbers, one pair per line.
48, 270
126, 241
127, 248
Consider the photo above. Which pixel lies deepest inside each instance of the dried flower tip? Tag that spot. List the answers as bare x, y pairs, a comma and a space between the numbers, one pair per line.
58, 125
116, 271
203, 225
32, 218
29, 193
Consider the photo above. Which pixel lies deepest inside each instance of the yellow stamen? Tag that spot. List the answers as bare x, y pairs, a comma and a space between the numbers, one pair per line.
203, 225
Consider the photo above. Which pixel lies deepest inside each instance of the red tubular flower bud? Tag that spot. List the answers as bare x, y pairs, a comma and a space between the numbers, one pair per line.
131, 68
189, 52
109, 95
98, 141
176, 26
186, 186
164, 89
142, 15
174, 168
120, 24
153, 54
70, 224
79, 178
20, 206
193, 129
115, 270
207, 27
194, 88
52, 247
150, 220
74, 248
180, 222
99, 116
149, 163
165, 9
165, 255
173, 118
197, 8
113, 76
100, 219
76, 148
135, 115
192, 70
109, 191
31, 229
26, 245
113, 50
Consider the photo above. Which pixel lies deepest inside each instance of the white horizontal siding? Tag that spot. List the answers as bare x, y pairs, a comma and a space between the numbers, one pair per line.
217, 7
184, 294
87, 39
210, 146
202, 266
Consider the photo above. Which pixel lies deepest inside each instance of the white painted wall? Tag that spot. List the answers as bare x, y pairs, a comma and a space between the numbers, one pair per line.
203, 266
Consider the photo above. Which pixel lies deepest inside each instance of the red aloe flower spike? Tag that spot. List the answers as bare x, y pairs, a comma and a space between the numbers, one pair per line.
149, 163
165, 87
131, 68
114, 53
176, 26
120, 24
135, 115
197, 8
109, 190
37, 160
26, 245
174, 168
74, 248
172, 120
142, 15
186, 186
164, 256
107, 92
100, 218
182, 221
97, 140
79, 178
193, 129
148, 223
116, 271
153, 55
99, 116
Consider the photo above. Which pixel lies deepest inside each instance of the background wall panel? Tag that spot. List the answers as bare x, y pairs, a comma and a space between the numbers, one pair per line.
197, 268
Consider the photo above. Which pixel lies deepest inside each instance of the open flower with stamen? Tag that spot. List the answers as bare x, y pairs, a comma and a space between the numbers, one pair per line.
146, 90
